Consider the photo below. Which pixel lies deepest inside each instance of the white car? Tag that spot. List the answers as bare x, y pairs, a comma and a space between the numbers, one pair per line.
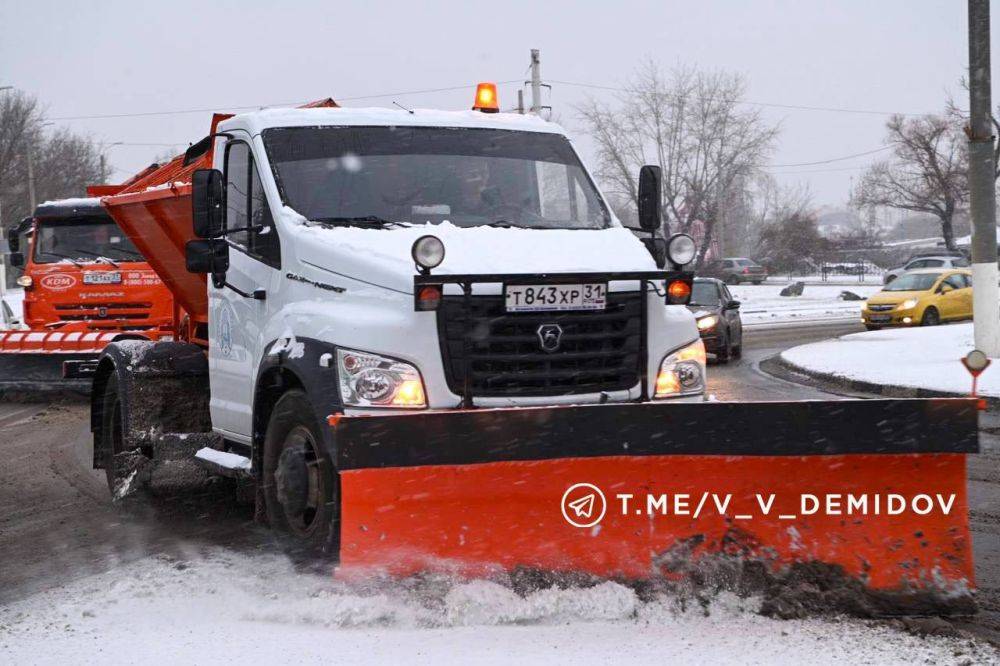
928, 261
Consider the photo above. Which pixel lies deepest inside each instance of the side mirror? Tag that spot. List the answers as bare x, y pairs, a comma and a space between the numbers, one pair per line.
17, 259
207, 203
658, 248
208, 256
733, 305
649, 197
944, 288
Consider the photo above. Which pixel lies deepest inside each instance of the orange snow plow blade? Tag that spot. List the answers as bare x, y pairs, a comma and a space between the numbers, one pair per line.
37, 361
873, 490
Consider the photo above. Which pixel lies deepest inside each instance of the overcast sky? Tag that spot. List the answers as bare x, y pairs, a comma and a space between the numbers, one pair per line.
97, 58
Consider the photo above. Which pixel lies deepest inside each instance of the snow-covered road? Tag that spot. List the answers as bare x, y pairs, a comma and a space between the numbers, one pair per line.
225, 607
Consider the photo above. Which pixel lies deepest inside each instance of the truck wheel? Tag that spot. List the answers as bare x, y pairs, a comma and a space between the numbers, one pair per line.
125, 472
111, 429
299, 480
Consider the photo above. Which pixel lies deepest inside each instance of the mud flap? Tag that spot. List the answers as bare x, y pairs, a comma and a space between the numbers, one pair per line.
647, 491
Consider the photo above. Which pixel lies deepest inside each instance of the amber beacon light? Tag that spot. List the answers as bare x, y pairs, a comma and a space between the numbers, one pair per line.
486, 98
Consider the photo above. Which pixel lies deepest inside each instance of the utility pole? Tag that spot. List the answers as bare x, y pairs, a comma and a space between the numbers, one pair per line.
3, 259
536, 83
520, 102
985, 274
31, 179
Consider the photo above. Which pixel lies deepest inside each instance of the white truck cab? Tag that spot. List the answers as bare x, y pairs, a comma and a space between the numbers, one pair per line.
323, 207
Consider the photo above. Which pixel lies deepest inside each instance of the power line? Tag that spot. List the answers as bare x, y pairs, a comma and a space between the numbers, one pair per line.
174, 112
834, 159
777, 105
789, 173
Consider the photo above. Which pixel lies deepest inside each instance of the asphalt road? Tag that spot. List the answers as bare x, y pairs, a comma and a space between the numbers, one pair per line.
744, 380
57, 524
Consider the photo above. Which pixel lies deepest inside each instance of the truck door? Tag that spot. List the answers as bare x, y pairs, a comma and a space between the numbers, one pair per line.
236, 321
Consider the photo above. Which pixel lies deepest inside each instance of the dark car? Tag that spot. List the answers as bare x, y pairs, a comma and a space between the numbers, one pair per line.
718, 316
734, 270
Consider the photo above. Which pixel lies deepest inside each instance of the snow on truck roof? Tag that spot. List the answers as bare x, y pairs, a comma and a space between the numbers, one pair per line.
78, 207
257, 121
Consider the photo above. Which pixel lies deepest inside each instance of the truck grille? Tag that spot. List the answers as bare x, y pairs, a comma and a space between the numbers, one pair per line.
99, 311
598, 350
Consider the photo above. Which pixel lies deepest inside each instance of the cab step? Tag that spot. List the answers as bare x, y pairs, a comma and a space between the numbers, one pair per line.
224, 463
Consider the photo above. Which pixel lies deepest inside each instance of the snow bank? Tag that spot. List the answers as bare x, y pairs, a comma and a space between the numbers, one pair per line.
928, 358
228, 607
763, 305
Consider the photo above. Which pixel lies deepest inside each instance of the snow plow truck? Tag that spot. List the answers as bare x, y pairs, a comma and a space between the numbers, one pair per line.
85, 285
425, 342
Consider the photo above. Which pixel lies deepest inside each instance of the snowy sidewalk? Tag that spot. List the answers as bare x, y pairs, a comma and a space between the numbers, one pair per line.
924, 360
763, 306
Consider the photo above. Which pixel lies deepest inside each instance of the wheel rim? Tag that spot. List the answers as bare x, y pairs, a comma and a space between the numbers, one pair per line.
299, 479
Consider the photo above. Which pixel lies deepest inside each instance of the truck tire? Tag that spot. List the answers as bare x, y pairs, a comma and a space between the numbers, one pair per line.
300, 486
125, 470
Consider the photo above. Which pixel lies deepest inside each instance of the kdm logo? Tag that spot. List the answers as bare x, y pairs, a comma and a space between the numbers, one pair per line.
58, 281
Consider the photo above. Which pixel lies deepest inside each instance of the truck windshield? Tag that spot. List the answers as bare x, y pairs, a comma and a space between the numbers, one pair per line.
82, 240
415, 175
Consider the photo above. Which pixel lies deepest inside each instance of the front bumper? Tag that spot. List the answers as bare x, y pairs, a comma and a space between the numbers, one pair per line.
711, 339
897, 317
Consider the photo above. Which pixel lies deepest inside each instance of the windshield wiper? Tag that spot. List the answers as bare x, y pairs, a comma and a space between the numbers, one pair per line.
66, 257
100, 257
358, 221
506, 224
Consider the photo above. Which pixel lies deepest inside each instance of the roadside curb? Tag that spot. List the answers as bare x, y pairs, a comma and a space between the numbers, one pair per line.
784, 369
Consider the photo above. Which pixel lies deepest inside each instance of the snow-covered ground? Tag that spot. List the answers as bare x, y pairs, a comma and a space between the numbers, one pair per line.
762, 305
928, 358
225, 608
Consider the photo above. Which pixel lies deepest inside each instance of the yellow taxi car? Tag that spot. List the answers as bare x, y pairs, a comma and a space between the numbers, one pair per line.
923, 297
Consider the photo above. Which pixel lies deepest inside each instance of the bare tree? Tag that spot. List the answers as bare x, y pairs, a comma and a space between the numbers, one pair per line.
63, 163
689, 122
926, 174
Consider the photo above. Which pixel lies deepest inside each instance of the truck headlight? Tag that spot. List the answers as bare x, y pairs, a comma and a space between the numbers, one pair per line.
370, 380
908, 304
682, 372
681, 249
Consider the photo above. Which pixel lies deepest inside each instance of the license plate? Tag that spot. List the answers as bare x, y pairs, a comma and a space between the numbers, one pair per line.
555, 297
103, 277
879, 319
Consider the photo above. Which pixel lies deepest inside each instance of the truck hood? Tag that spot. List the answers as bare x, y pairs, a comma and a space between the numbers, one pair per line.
382, 256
